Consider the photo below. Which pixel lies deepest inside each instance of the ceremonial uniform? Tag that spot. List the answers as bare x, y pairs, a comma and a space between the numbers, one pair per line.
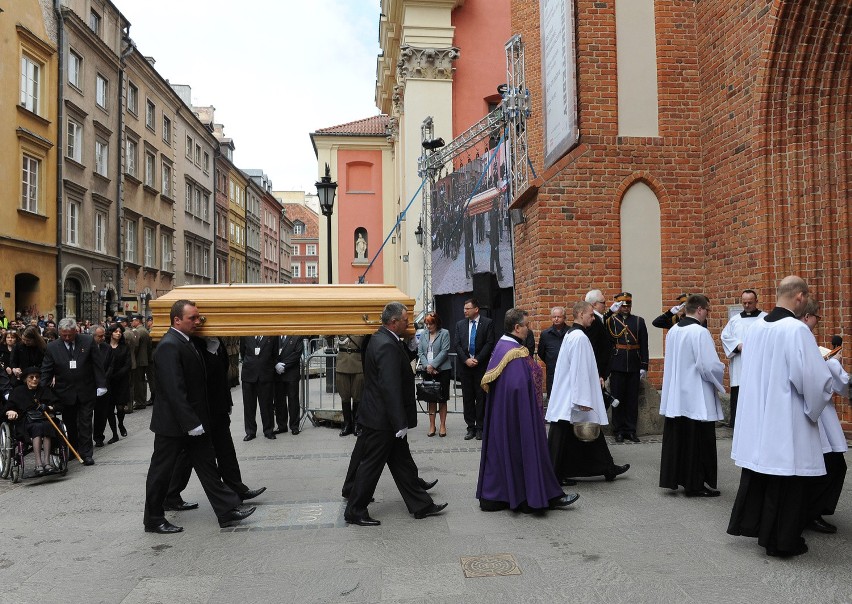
349, 379
629, 357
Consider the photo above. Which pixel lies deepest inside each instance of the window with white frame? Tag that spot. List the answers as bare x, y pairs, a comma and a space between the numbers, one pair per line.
95, 22
75, 67
296, 270
130, 241
205, 262
310, 269
167, 130
206, 164
133, 99
197, 211
150, 114
100, 231
101, 91
167, 180
166, 252
206, 207
30, 189
101, 157
148, 240
189, 145
297, 249
74, 141
298, 228
150, 168
310, 249
188, 198
198, 154
30, 83
72, 221
187, 260
131, 150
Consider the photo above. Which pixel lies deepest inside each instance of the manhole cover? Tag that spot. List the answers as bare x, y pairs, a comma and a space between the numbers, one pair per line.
495, 565
293, 516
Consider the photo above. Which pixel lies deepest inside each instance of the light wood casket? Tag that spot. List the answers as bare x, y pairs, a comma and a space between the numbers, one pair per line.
273, 309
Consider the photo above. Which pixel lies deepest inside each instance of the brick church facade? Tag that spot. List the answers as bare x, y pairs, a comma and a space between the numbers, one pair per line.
746, 180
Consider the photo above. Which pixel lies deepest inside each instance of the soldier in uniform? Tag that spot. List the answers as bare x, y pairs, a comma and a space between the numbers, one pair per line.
349, 377
670, 318
143, 349
629, 365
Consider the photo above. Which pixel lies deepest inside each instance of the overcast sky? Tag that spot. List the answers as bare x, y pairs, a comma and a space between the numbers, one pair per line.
275, 70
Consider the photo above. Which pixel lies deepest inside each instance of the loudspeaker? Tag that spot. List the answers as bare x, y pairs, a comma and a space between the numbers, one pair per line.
486, 290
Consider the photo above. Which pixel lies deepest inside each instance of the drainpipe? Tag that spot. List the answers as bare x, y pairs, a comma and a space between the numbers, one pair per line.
126, 51
60, 119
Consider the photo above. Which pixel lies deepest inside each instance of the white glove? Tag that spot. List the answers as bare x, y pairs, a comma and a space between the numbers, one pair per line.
212, 344
615, 307
676, 309
642, 374
402, 433
196, 431
279, 368
101, 392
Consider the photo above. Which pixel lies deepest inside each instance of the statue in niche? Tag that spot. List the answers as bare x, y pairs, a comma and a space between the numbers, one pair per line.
360, 247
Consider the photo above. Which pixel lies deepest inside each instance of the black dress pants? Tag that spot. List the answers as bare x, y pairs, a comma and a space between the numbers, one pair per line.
78, 422
202, 457
254, 392
625, 387
288, 409
381, 447
473, 396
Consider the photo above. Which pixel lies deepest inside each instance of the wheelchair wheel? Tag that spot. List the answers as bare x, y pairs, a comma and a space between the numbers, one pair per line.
59, 455
18, 462
7, 448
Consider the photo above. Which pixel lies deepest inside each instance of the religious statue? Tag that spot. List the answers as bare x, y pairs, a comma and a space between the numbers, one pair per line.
361, 247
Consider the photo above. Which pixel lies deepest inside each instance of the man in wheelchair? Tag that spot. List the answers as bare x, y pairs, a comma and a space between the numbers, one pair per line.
25, 407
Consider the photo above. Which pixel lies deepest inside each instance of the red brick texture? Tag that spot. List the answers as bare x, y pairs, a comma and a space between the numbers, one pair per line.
751, 168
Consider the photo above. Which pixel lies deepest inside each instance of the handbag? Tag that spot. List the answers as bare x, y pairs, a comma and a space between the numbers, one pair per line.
429, 391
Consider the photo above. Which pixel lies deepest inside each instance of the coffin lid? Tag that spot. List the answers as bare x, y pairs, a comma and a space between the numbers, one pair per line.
276, 309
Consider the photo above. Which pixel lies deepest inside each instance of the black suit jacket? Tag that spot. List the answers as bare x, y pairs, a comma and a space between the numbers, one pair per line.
73, 385
219, 399
387, 402
601, 345
261, 367
181, 381
483, 345
291, 356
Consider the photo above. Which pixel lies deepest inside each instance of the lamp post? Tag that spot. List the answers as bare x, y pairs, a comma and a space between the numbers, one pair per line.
325, 192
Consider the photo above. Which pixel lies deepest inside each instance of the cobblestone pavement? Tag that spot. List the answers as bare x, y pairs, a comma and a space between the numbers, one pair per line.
80, 538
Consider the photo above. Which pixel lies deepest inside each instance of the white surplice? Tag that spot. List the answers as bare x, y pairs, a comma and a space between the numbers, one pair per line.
576, 382
785, 385
830, 431
692, 373
732, 336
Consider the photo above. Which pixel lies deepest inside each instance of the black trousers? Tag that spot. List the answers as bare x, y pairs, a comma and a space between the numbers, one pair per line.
140, 388
254, 392
149, 377
288, 410
104, 412
735, 395
473, 396
380, 448
625, 387
78, 422
202, 457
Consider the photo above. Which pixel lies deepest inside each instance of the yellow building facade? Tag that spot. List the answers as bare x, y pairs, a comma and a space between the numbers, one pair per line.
28, 216
237, 183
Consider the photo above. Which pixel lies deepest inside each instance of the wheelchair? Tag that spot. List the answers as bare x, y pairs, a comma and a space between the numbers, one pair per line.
15, 444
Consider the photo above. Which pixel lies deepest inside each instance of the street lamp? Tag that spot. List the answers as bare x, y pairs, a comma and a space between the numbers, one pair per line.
418, 233
325, 192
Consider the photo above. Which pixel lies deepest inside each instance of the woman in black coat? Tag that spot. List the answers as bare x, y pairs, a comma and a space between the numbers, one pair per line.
118, 377
10, 339
29, 352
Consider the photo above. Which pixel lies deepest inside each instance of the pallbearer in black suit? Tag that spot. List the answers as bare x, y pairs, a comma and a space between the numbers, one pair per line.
178, 422
387, 411
75, 371
287, 364
258, 354
629, 365
473, 343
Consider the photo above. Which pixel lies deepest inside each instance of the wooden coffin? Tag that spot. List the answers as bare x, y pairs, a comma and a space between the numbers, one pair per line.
273, 309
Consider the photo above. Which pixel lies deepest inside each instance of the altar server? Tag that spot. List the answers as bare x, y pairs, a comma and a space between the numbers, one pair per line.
692, 377
732, 343
785, 386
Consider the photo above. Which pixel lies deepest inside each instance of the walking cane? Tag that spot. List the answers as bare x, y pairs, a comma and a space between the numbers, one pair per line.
52, 423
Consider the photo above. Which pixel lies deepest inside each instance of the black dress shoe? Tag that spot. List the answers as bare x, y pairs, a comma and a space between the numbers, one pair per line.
432, 510
364, 520
781, 553
633, 438
183, 506
99, 443
114, 439
428, 485
122, 431
357, 431
346, 430
616, 471
619, 438
270, 436
705, 492
470, 434
820, 525
248, 437
88, 461
166, 528
567, 482
279, 430
251, 494
295, 431
564, 501
479, 435
238, 513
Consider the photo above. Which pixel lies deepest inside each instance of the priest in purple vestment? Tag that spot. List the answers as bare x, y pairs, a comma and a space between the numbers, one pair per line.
515, 470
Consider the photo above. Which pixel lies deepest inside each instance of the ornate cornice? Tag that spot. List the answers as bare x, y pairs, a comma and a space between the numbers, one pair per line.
425, 63
392, 129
